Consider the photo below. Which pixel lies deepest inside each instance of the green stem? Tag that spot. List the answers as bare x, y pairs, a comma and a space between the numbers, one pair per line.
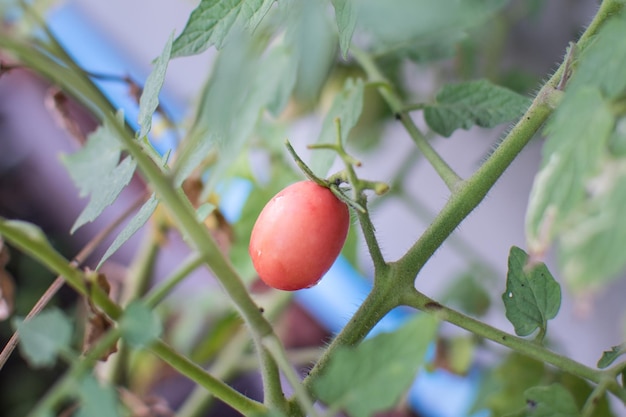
447, 174
157, 294
595, 397
275, 348
173, 199
238, 401
369, 234
526, 347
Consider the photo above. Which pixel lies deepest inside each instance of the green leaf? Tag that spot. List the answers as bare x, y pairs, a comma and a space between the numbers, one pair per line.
311, 36
609, 49
550, 401
373, 375
140, 326
97, 400
131, 228
573, 153
347, 107
463, 105
532, 296
44, 336
502, 388
97, 172
469, 295
581, 389
213, 20
609, 356
345, 15
149, 100
397, 23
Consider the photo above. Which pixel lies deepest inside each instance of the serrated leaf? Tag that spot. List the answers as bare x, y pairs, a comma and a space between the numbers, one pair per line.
131, 228
347, 107
573, 153
393, 24
372, 376
345, 15
481, 103
98, 173
550, 401
97, 400
140, 326
532, 296
213, 20
44, 336
149, 100
609, 356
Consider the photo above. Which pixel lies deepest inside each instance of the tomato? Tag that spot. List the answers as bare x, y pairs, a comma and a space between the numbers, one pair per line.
298, 236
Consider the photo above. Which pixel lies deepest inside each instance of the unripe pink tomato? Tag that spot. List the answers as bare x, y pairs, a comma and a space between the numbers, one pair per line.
298, 236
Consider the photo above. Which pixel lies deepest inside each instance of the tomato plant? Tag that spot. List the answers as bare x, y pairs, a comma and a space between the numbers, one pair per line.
438, 67
298, 236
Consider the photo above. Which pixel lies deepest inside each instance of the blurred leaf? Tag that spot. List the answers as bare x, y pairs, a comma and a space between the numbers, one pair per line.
212, 21
149, 101
140, 218
589, 246
313, 40
397, 23
97, 172
463, 105
44, 336
469, 295
350, 249
347, 106
580, 389
550, 401
609, 49
617, 140
532, 296
461, 354
97, 400
609, 356
345, 15
502, 388
140, 326
573, 153
373, 375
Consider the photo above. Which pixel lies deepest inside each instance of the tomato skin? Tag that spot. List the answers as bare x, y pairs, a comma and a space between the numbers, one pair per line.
298, 236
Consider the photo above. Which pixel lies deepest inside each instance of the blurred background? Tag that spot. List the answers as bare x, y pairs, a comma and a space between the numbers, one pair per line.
123, 37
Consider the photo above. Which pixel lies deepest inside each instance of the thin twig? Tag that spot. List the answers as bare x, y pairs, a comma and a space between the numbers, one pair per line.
59, 281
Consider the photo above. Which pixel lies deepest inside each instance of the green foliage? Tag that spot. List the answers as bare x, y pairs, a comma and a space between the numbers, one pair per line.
149, 100
97, 400
346, 22
140, 326
463, 105
136, 223
577, 193
102, 181
43, 337
213, 20
372, 376
502, 389
468, 294
610, 356
550, 401
346, 107
532, 296
399, 23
